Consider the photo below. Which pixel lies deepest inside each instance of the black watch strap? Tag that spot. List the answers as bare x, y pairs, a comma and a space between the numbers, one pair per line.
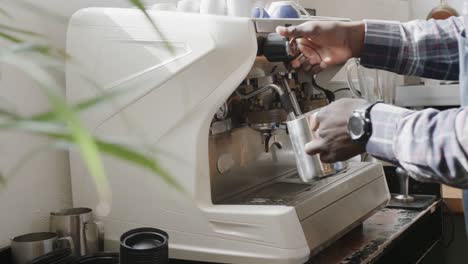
369, 108
360, 125
366, 109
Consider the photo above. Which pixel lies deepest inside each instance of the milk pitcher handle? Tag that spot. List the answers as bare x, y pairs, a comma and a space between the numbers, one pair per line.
349, 70
68, 240
94, 233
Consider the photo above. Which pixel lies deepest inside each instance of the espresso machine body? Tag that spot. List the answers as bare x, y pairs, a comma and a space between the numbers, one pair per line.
187, 106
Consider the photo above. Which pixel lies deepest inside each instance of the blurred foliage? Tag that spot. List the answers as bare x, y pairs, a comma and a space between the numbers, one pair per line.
31, 53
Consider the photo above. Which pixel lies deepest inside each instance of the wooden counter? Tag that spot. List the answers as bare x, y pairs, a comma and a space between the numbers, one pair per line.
377, 235
389, 236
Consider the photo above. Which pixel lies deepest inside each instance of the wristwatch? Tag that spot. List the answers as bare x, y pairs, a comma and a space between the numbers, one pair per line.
360, 125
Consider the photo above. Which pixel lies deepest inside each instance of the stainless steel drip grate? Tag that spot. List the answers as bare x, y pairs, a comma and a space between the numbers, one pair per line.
275, 193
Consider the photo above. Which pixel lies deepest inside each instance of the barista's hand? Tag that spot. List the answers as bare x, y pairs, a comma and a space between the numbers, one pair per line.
325, 43
330, 124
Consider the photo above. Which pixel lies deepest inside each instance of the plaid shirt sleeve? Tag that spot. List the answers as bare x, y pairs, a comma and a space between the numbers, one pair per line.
420, 48
431, 145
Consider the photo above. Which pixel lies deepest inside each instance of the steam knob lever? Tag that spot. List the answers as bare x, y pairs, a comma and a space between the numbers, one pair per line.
403, 179
274, 47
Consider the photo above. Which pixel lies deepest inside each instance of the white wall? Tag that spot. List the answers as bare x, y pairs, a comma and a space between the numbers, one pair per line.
360, 9
401, 10
419, 9
43, 184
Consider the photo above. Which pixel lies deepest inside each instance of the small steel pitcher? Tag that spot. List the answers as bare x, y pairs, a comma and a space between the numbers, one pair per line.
79, 224
309, 167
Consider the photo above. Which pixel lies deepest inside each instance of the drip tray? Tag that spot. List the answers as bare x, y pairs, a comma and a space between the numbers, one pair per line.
283, 191
275, 193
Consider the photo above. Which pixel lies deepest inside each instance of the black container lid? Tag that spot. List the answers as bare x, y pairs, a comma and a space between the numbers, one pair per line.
144, 246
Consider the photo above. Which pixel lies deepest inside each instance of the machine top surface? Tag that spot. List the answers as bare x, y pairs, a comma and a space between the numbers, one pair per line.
305, 19
267, 25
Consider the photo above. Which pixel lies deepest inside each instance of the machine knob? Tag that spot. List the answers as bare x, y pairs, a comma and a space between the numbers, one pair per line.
403, 179
274, 47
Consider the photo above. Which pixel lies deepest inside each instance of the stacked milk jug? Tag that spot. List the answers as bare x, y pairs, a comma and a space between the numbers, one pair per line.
240, 8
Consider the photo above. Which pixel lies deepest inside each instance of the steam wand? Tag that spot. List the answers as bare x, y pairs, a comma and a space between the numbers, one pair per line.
292, 98
261, 90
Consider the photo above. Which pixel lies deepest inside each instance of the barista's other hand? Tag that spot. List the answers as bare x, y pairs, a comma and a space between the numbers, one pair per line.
330, 125
325, 43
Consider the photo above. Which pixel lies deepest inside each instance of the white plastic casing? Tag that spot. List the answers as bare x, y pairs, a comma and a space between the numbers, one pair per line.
167, 102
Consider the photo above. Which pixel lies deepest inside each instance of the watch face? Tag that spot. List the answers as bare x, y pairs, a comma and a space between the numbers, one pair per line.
356, 127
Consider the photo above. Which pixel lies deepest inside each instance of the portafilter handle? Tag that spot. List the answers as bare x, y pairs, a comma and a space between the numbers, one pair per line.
403, 179
274, 47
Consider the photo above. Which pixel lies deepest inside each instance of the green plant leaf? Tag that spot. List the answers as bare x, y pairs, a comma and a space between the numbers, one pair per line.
3, 181
139, 4
9, 114
103, 96
85, 105
62, 122
20, 31
30, 49
88, 149
4, 13
119, 151
33, 126
27, 47
37, 9
111, 149
64, 113
10, 37
139, 159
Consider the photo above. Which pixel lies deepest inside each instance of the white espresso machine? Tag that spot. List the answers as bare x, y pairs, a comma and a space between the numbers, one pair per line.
204, 105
